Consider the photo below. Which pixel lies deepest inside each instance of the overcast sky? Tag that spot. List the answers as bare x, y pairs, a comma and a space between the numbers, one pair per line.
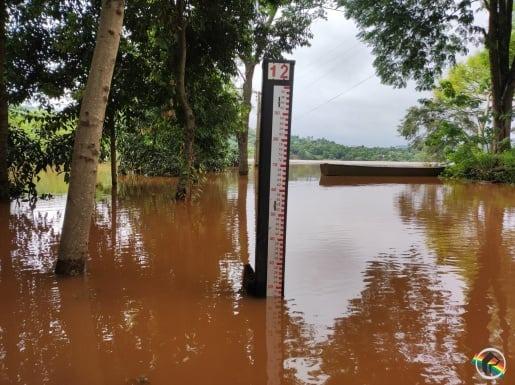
366, 113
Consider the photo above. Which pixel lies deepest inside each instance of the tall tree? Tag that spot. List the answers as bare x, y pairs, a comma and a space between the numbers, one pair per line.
184, 102
222, 40
80, 202
278, 26
173, 54
193, 41
131, 91
417, 39
502, 69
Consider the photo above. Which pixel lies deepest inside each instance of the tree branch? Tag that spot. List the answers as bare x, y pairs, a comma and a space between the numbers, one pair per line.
484, 32
239, 71
271, 17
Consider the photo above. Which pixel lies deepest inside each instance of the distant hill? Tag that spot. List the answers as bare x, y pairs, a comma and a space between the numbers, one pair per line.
318, 149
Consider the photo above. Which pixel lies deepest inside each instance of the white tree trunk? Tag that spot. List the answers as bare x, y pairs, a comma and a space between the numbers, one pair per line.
73, 248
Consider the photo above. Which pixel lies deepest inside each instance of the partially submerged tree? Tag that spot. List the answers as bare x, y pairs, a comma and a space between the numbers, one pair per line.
191, 42
278, 27
417, 39
190, 124
73, 247
217, 28
160, 66
132, 92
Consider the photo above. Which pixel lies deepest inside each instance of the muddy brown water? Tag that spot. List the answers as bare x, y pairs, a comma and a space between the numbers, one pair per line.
387, 282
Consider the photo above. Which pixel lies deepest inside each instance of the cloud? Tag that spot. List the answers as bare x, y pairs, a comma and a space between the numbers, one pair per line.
338, 66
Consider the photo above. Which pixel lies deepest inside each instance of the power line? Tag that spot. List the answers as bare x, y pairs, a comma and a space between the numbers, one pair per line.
314, 62
332, 57
334, 9
338, 95
332, 68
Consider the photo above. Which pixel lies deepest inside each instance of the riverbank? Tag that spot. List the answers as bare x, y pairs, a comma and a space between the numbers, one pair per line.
367, 163
488, 168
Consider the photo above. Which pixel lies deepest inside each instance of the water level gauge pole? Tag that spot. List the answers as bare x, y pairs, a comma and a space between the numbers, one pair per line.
274, 149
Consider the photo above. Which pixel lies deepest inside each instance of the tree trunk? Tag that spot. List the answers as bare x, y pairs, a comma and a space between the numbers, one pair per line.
4, 109
80, 203
250, 65
243, 135
503, 112
482, 124
502, 73
112, 137
184, 184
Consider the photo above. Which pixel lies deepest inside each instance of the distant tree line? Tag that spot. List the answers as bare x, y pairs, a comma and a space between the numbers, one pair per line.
318, 149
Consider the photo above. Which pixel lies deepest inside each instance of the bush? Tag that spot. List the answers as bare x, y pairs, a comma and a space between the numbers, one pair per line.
157, 151
470, 162
25, 159
151, 152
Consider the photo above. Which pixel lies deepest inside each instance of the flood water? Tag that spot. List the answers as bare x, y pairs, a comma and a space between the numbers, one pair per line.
387, 282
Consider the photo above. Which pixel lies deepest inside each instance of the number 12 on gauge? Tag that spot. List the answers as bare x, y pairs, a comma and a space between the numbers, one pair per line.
279, 71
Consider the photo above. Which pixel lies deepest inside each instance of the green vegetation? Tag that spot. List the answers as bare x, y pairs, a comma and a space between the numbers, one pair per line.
172, 106
28, 151
319, 149
152, 84
456, 125
470, 162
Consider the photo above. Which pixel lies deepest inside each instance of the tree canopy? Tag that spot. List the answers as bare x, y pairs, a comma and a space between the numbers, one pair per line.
418, 39
413, 39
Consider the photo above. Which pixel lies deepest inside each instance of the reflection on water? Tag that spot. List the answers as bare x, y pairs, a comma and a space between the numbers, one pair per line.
386, 283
